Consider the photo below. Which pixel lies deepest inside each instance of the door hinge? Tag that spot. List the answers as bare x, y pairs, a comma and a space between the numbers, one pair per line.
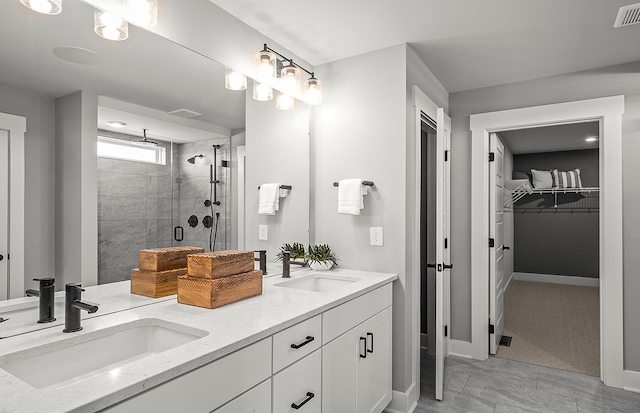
492, 329
446, 242
446, 156
446, 331
492, 242
492, 156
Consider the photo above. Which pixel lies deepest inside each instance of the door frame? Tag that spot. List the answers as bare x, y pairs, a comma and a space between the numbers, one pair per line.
16, 126
421, 103
608, 111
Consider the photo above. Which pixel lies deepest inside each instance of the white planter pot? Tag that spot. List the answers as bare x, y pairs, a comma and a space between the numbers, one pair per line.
321, 266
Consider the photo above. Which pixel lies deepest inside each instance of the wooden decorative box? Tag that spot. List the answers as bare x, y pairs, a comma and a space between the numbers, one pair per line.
212, 293
155, 284
161, 259
220, 264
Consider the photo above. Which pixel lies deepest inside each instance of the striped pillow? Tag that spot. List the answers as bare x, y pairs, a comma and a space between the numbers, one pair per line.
569, 179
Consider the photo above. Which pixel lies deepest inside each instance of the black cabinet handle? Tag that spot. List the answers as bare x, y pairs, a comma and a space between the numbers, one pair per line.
370, 334
308, 340
365, 347
309, 397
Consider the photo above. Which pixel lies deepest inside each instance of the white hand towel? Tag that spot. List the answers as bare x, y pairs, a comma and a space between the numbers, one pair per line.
268, 200
351, 196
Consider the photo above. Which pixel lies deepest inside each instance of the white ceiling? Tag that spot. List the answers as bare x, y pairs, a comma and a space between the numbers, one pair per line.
467, 44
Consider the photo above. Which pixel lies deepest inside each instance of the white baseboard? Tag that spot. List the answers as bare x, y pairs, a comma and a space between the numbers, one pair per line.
462, 349
508, 284
631, 381
557, 279
403, 402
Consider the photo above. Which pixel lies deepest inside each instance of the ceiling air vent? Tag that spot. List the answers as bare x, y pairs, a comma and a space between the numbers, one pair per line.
628, 15
185, 113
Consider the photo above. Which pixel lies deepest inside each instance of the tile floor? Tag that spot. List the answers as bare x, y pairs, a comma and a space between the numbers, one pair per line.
505, 386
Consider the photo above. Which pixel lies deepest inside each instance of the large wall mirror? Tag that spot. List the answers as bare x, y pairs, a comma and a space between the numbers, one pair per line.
195, 129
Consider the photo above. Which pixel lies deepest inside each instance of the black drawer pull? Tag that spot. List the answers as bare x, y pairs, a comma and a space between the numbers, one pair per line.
365, 347
308, 340
370, 334
309, 397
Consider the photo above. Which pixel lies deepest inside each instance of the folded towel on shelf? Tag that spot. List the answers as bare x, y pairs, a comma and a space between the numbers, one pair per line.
351, 194
269, 199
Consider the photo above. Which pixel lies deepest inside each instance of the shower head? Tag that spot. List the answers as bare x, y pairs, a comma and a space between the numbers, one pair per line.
144, 141
192, 160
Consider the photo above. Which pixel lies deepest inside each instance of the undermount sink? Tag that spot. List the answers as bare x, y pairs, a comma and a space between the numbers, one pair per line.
83, 356
318, 282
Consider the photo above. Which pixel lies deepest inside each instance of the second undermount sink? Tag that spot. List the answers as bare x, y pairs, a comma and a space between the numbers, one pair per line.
83, 356
318, 282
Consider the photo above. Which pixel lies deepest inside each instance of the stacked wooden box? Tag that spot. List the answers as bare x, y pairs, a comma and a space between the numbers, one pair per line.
159, 268
217, 278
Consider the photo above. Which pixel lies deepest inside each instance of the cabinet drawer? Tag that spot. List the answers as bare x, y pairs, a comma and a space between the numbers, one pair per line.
207, 387
299, 383
256, 400
305, 337
348, 315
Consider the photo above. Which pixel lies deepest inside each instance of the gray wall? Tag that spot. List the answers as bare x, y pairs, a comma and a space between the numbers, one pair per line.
39, 230
616, 80
563, 241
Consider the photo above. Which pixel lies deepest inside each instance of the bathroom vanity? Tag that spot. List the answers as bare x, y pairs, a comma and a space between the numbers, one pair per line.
319, 341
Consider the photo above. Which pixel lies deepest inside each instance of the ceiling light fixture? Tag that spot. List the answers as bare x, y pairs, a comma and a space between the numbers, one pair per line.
116, 124
234, 80
143, 13
270, 64
592, 139
44, 6
110, 26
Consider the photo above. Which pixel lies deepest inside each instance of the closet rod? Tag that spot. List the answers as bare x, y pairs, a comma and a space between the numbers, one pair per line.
365, 183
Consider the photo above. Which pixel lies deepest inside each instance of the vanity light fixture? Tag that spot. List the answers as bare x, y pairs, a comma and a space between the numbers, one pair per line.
271, 64
44, 6
143, 13
234, 80
284, 102
110, 26
262, 91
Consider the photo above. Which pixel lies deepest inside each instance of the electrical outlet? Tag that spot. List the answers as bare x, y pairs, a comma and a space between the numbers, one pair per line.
375, 236
263, 232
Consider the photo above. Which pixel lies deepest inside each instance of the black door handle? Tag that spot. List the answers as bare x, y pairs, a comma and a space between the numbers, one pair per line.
308, 340
433, 265
364, 356
448, 266
309, 397
370, 334
506, 248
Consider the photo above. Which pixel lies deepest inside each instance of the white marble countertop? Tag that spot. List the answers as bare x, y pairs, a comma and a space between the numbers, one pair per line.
230, 328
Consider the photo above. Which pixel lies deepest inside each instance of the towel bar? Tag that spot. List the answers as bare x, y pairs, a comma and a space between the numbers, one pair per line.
283, 187
365, 183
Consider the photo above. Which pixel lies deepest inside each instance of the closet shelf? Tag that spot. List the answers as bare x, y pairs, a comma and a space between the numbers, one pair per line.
558, 198
517, 189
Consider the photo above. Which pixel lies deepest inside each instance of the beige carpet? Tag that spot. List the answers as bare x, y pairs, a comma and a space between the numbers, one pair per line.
553, 325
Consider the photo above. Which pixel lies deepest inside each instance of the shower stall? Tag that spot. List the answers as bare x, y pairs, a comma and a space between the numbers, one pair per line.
183, 201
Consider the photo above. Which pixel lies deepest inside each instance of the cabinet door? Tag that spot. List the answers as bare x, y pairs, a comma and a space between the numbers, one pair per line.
340, 364
376, 368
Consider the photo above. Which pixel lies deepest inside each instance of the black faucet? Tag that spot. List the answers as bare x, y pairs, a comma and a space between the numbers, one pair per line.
286, 264
73, 305
263, 261
46, 293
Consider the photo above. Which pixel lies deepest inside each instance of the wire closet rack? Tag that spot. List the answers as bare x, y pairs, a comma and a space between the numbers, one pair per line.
522, 196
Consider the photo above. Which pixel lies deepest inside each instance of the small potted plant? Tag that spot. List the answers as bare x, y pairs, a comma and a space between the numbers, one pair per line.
321, 257
297, 252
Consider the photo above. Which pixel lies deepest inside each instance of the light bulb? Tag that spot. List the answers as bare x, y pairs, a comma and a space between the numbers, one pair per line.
44, 6
262, 92
290, 79
109, 26
284, 102
265, 65
142, 13
312, 94
234, 80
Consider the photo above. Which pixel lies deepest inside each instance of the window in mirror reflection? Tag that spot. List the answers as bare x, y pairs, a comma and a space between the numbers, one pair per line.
118, 149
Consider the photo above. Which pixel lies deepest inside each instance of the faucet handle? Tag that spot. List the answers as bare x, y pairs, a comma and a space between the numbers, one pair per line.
45, 282
73, 287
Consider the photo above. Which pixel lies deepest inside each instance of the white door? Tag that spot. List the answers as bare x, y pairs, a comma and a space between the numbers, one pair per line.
443, 241
4, 215
496, 233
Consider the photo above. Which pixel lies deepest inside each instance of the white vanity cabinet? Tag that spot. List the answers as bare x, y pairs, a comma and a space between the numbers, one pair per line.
356, 365
256, 400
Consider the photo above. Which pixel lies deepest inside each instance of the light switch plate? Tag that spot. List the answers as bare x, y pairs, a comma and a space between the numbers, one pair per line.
263, 232
375, 236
